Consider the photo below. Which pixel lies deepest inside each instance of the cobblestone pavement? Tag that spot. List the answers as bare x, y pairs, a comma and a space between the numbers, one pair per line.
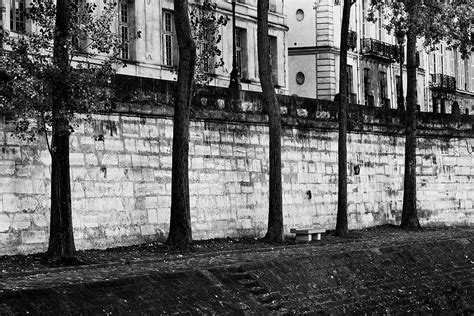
277, 275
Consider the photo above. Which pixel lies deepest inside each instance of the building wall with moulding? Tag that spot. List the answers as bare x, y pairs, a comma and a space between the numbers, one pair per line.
320, 23
149, 56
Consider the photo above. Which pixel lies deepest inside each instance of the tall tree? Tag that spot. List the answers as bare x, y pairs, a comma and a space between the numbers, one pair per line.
61, 241
341, 221
46, 91
409, 211
275, 231
180, 234
432, 21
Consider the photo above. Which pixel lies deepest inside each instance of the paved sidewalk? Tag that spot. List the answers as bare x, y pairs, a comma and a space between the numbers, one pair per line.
264, 270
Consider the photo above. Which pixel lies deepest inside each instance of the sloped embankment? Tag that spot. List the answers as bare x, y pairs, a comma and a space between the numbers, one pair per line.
429, 276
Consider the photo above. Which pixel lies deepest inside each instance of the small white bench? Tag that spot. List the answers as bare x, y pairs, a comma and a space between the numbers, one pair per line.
307, 234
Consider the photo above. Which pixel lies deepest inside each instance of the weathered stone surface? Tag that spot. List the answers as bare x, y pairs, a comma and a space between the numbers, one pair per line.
129, 173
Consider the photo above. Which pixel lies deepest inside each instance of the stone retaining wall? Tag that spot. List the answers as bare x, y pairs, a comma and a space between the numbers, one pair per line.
121, 175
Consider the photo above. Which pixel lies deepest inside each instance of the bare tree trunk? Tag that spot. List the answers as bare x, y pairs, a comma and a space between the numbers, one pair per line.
61, 238
180, 234
275, 231
409, 213
341, 223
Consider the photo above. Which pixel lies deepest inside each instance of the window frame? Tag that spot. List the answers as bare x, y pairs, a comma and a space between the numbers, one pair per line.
168, 38
124, 28
17, 16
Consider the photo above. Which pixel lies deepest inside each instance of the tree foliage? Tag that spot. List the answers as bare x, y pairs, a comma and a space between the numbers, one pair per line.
205, 26
29, 61
435, 21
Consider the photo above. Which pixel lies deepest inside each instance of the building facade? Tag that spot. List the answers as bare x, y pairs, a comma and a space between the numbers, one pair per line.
450, 86
155, 53
374, 55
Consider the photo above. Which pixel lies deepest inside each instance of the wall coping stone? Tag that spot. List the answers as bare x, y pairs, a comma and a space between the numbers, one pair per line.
153, 97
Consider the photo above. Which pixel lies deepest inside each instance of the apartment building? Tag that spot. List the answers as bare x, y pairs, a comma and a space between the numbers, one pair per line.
374, 72
450, 86
155, 53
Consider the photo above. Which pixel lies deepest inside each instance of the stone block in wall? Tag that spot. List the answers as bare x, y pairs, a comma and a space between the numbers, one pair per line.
7, 167
91, 159
10, 153
33, 237
148, 230
109, 160
152, 216
130, 145
11, 203
4, 222
197, 163
20, 221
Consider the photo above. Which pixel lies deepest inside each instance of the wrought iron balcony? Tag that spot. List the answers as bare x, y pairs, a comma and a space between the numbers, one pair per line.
379, 49
352, 40
443, 83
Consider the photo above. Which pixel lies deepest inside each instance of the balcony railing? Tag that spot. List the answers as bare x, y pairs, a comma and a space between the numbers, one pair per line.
352, 40
375, 48
443, 83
